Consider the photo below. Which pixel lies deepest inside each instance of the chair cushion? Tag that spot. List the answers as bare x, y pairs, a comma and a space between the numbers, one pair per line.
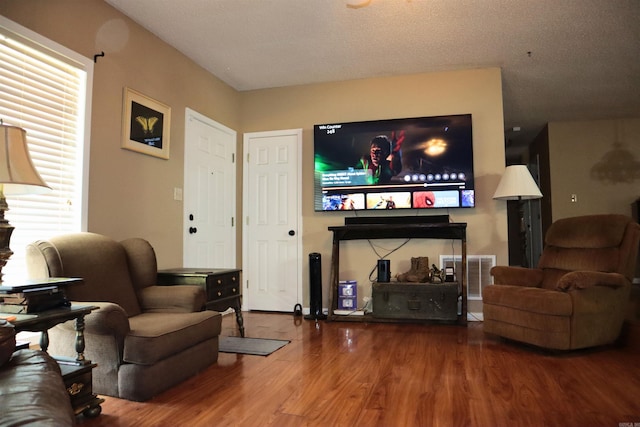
172, 299
535, 300
142, 262
577, 259
156, 336
589, 231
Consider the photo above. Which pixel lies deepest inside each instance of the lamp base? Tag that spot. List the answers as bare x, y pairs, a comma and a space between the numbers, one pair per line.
6, 230
524, 261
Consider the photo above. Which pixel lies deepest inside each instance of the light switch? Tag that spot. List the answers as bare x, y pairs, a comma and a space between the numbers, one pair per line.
177, 193
574, 198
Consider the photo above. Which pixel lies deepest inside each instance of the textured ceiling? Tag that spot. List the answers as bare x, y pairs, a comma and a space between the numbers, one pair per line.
561, 59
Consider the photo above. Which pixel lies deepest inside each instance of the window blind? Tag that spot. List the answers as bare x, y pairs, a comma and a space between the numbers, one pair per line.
45, 92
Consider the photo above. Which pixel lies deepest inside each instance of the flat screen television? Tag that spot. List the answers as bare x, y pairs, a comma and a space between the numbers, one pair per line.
412, 163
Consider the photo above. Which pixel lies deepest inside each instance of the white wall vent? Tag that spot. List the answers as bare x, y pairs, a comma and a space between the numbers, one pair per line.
478, 267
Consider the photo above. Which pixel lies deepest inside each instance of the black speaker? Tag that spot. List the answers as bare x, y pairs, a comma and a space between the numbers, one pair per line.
384, 270
315, 288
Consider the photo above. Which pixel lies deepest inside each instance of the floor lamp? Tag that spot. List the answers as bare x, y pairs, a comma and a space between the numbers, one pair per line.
518, 184
17, 176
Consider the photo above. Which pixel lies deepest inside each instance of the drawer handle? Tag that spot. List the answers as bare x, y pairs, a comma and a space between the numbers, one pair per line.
219, 282
75, 388
219, 293
234, 290
413, 304
233, 278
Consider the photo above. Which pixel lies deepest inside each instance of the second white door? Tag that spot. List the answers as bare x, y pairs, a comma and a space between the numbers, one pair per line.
272, 212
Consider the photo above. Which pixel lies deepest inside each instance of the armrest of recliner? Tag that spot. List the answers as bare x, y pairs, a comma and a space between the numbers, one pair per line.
172, 299
108, 319
587, 279
516, 276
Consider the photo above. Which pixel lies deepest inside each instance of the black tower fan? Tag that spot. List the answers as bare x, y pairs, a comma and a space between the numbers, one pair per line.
315, 285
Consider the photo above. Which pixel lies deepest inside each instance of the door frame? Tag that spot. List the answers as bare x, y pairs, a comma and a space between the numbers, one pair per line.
246, 265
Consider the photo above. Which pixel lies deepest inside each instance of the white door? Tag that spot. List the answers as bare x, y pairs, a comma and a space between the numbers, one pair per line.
209, 193
272, 220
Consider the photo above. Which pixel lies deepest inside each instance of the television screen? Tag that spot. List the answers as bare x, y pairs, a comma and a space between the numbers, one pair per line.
413, 163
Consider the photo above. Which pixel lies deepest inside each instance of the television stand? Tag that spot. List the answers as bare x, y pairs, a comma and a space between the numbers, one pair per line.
456, 231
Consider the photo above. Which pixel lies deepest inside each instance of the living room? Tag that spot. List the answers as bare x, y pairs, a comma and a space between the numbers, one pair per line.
166, 75
124, 203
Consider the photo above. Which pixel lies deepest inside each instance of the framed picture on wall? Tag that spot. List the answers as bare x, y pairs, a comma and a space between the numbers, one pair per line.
146, 124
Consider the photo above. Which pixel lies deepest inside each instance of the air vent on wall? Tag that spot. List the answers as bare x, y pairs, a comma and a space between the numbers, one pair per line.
478, 267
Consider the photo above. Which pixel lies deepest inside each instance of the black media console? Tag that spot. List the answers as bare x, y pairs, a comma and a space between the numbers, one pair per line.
394, 227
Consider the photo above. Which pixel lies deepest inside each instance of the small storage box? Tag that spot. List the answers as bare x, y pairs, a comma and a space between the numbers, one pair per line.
424, 301
347, 303
347, 295
348, 288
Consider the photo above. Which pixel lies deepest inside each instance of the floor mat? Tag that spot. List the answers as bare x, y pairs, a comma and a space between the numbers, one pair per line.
255, 346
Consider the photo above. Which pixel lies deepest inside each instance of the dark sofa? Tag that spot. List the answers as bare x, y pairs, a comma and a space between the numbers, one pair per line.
32, 392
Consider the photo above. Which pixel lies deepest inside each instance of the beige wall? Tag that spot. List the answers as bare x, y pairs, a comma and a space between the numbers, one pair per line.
475, 91
131, 194
574, 148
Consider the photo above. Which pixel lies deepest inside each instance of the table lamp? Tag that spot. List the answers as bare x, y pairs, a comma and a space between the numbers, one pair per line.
17, 176
518, 184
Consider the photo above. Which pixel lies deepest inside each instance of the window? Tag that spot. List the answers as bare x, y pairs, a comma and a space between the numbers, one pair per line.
46, 91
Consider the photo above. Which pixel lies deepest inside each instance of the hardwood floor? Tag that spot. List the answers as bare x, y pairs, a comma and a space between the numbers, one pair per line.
356, 374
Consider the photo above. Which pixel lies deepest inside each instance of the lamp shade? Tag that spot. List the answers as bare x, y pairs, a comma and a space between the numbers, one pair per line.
517, 184
17, 173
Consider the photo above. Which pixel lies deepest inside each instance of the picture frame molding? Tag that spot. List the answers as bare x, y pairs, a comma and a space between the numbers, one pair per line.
131, 96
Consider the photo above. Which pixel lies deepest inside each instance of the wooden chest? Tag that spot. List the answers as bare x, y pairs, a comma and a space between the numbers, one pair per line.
420, 301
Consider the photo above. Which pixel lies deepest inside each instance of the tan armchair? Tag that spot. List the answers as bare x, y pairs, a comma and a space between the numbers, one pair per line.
144, 338
577, 296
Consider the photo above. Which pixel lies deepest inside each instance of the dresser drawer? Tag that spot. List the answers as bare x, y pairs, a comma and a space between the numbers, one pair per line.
223, 286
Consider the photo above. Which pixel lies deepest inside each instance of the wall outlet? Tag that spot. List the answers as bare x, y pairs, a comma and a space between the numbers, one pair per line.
177, 193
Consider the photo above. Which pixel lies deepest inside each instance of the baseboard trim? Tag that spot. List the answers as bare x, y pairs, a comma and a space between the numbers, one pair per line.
475, 317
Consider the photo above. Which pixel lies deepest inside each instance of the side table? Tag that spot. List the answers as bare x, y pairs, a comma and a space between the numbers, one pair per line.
221, 285
76, 372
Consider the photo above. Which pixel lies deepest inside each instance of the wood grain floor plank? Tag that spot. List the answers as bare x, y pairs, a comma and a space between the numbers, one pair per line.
387, 375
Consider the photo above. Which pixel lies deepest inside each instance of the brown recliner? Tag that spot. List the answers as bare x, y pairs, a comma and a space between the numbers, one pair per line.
144, 338
578, 294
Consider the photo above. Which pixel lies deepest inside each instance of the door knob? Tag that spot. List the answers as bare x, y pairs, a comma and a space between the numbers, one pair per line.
192, 230
292, 233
